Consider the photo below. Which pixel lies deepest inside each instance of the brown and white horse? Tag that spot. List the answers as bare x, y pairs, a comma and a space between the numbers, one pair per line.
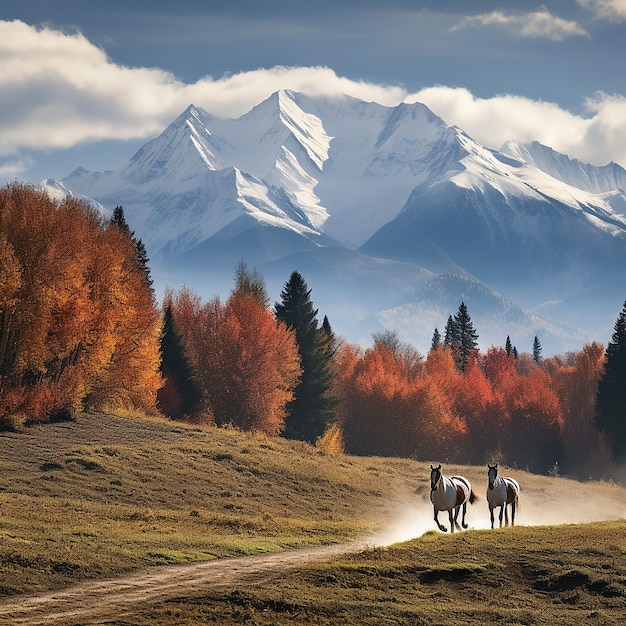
502, 491
450, 493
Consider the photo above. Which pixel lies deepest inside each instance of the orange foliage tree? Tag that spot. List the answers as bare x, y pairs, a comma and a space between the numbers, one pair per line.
576, 382
389, 407
246, 362
532, 423
483, 411
61, 332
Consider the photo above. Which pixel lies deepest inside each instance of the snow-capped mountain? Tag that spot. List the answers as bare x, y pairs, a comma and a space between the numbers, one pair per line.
370, 202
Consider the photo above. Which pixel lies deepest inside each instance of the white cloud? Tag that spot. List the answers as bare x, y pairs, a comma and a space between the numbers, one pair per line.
612, 10
13, 169
59, 90
537, 24
596, 138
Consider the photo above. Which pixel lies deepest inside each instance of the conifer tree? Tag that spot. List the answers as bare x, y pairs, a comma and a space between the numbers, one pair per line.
313, 406
118, 219
326, 327
536, 349
436, 340
508, 346
180, 396
451, 332
611, 397
461, 337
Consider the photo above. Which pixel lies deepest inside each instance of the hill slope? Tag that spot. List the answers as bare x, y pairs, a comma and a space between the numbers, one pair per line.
104, 495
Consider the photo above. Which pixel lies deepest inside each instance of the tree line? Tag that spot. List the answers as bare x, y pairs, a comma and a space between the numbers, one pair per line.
80, 329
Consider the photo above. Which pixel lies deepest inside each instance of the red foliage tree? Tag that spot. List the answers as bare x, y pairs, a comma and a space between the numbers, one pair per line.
246, 362
390, 407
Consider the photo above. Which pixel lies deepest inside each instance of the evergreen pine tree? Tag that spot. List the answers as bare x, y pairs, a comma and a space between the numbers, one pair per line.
436, 340
312, 409
329, 335
179, 397
118, 219
451, 332
536, 349
611, 396
466, 338
508, 346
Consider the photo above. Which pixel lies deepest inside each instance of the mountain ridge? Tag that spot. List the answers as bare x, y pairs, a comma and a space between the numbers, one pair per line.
393, 183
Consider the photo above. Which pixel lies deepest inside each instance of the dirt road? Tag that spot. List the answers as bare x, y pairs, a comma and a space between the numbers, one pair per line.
90, 602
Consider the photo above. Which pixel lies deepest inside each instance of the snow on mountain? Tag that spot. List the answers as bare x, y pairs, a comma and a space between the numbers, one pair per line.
311, 180
584, 176
512, 225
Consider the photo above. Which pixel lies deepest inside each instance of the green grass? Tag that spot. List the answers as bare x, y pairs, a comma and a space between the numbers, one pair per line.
105, 495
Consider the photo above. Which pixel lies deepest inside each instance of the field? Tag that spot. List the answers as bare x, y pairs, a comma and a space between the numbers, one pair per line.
106, 496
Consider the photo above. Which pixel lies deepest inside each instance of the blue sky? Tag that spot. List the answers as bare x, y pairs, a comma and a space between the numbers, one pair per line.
88, 83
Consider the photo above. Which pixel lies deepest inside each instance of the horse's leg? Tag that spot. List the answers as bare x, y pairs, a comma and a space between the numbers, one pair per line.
505, 506
463, 517
440, 526
452, 515
513, 513
491, 514
502, 509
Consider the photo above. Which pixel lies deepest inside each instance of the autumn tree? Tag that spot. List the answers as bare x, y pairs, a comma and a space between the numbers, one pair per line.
482, 410
611, 397
246, 361
389, 408
531, 420
312, 409
65, 326
250, 283
576, 383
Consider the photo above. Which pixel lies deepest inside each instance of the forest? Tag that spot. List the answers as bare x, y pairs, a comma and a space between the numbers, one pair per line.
82, 330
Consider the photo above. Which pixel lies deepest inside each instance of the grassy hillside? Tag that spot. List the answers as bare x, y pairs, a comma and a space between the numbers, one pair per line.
106, 494
567, 575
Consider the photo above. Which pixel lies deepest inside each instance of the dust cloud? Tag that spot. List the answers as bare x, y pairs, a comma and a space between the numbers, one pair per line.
575, 503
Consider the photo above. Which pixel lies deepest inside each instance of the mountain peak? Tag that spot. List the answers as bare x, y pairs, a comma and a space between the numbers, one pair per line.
591, 178
390, 187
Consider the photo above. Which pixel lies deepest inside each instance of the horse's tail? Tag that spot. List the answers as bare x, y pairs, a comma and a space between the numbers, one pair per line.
473, 497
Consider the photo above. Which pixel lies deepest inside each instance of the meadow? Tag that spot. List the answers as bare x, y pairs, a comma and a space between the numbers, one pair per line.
104, 496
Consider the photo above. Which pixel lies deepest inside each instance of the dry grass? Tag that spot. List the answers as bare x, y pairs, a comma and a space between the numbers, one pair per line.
566, 575
105, 495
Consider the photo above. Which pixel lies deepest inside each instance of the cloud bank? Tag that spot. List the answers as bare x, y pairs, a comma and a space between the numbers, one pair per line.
537, 24
611, 10
60, 90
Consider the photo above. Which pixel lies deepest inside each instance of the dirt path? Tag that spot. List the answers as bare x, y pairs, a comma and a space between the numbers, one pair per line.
93, 600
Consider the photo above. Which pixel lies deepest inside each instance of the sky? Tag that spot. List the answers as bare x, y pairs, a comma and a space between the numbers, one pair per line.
86, 84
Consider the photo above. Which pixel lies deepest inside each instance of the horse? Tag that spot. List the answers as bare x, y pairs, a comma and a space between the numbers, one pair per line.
450, 493
501, 492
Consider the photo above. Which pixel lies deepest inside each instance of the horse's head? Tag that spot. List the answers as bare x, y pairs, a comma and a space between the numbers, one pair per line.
435, 476
492, 473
